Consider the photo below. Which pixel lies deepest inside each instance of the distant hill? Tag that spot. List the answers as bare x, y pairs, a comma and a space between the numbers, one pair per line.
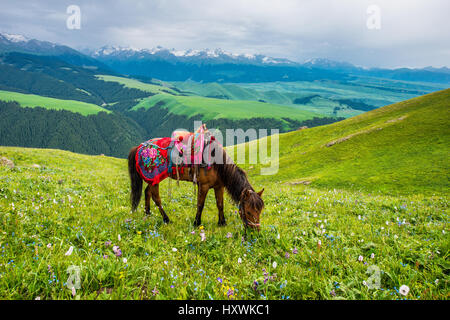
399, 148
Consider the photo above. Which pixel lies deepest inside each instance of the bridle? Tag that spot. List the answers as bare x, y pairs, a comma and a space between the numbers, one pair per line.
244, 216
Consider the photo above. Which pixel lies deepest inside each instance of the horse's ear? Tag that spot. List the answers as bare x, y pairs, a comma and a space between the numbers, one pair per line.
247, 194
261, 192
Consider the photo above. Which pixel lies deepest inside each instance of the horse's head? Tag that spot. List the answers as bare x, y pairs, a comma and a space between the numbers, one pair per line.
250, 207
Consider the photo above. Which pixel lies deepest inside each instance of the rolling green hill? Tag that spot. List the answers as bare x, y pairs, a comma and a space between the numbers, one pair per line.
32, 100
399, 148
213, 108
136, 84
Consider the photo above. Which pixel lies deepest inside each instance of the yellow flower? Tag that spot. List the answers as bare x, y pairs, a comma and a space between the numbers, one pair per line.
201, 228
139, 232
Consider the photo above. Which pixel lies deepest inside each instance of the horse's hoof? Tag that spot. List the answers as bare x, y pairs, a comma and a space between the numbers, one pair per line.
167, 221
222, 223
197, 223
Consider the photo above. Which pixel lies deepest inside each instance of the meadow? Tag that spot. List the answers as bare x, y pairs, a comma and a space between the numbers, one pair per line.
212, 108
32, 100
313, 244
358, 210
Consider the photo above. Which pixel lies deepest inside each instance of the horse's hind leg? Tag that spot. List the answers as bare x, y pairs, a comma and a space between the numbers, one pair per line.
157, 200
219, 202
148, 195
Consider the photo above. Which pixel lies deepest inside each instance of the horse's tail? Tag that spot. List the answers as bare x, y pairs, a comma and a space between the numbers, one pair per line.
136, 180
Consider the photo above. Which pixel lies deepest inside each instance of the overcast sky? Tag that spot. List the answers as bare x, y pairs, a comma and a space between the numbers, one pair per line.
412, 33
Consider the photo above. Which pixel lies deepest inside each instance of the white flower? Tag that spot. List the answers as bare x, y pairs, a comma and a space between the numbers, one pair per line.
364, 283
49, 245
274, 264
69, 252
125, 260
319, 243
239, 260
74, 291
395, 236
202, 235
387, 223
278, 236
436, 281
118, 237
37, 298
174, 249
404, 289
360, 258
372, 255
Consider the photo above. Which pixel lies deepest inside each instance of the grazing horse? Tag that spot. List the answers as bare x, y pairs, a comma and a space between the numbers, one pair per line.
153, 161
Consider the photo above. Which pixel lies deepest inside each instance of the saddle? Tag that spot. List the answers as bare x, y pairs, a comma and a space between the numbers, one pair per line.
158, 158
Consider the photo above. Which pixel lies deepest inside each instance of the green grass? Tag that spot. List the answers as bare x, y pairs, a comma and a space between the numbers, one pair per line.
213, 108
380, 196
32, 100
136, 84
372, 91
398, 149
82, 201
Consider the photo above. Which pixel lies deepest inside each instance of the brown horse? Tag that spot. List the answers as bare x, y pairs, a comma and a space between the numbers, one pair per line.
221, 175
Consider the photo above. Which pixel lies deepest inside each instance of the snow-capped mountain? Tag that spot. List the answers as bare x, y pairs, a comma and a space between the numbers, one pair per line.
23, 44
212, 56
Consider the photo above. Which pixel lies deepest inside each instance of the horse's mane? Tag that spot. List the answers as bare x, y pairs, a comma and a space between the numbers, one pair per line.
235, 181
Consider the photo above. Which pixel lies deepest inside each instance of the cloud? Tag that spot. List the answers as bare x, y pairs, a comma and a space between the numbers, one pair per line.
413, 32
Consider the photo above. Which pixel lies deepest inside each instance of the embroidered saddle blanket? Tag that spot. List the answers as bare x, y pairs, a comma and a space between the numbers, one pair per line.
158, 158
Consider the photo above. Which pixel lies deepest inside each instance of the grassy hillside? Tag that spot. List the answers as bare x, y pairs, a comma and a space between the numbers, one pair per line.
32, 100
313, 244
136, 84
400, 148
213, 108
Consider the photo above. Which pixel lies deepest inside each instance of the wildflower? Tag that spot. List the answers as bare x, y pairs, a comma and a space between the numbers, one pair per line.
230, 293
107, 243
228, 235
286, 255
436, 281
105, 256
37, 298
319, 244
74, 292
49, 245
295, 251
201, 227
333, 293
117, 251
255, 285
220, 280
239, 260
69, 252
274, 264
139, 232
278, 236
202, 235
174, 249
372, 255
155, 291
193, 232
360, 258
125, 260
118, 237
404, 290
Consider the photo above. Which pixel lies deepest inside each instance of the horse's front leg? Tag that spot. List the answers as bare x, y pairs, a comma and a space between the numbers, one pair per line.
157, 200
219, 202
201, 196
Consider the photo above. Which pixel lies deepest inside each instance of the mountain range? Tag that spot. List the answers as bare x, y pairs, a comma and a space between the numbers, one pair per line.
214, 65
